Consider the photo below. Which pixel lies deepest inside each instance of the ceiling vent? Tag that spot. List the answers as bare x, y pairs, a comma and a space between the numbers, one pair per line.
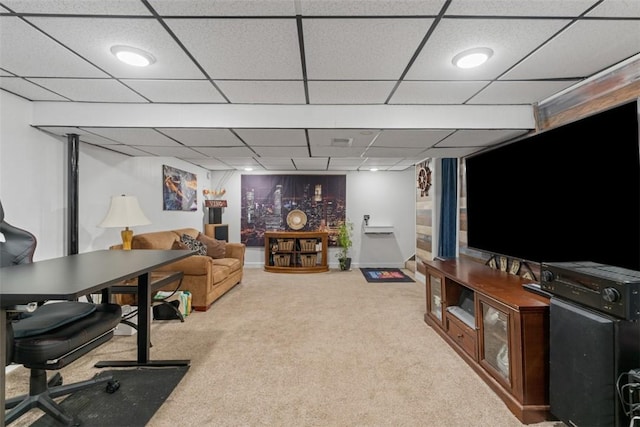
341, 142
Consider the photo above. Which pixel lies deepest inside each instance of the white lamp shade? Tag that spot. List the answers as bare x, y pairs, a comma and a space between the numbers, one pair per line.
124, 212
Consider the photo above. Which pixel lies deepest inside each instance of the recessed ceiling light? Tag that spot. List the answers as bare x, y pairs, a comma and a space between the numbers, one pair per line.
133, 56
472, 58
248, 169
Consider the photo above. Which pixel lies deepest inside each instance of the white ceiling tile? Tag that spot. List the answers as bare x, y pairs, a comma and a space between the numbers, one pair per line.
326, 151
263, 92
281, 151
62, 130
392, 152
454, 152
510, 39
242, 48
370, 8
276, 163
225, 7
363, 49
380, 161
310, 164
412, 138
571, 54
73, 7
45, 57
100, 90
413, 92
519, 92
207, 163
188, 91
349, 92
480, 137
617, 8
273, 137
128, 150
399, 168
84, 135
28, 90
203, 137
519, 7
351, 163
172, 151
323, 137
241, 162
134, 136
224, 152
146, 34
251, 49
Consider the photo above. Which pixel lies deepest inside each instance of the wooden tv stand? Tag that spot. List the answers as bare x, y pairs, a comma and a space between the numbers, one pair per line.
503, 335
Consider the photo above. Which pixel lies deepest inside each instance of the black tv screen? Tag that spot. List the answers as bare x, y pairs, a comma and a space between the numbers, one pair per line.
568, 194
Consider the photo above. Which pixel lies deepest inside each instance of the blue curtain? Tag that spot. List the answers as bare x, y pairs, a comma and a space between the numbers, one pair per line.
448, 212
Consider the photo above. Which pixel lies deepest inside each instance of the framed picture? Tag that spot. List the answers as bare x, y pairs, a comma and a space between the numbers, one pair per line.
179, 190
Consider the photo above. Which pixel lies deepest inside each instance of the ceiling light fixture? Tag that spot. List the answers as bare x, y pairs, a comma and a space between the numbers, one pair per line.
472, 58
248, 169
133, 56
373, 169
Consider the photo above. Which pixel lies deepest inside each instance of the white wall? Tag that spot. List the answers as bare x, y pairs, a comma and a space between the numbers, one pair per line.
32, 177
104, 174
33, 192
33, 181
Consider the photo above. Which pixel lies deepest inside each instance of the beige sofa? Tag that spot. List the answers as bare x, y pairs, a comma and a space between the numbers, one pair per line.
206, 278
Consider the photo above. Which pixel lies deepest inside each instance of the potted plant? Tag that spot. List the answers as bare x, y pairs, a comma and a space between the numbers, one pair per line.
344, 241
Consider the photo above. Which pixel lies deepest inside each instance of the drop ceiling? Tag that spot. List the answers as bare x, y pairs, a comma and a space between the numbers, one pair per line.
273, 84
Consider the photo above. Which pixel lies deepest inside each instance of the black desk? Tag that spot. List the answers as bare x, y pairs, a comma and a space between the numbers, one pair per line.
73, 276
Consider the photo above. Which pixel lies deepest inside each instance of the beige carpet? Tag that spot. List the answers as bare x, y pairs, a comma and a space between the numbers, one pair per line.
325, 349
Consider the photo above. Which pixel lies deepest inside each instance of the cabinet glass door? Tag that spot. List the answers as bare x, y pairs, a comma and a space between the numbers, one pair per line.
435, 296
495, 334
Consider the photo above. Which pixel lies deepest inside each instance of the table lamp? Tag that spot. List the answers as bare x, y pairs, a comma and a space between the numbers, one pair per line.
125, 212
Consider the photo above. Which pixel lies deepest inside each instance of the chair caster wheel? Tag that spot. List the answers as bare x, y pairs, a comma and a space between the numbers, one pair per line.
113, 386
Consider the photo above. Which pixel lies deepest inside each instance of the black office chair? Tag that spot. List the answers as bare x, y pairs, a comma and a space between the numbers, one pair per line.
50, 337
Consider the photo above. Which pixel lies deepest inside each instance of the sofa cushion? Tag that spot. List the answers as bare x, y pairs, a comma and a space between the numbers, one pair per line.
232, 264
220, 272
155, 240
194, 245
215, 248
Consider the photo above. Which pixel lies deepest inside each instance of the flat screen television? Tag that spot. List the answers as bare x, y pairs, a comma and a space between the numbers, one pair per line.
568, 194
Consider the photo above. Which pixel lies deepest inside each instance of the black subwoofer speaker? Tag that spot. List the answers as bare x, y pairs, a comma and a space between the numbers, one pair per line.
588, 350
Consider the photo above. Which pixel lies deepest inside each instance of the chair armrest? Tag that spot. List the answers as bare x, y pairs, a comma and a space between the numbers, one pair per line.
195, 265
235, 250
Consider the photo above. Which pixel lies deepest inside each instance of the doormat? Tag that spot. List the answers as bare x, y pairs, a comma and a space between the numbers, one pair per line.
142, 391
385, 275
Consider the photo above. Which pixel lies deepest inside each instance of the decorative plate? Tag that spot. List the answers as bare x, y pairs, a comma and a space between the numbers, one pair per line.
296, 219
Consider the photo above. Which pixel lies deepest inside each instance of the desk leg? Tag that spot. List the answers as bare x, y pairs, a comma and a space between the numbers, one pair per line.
144, 332
3, 359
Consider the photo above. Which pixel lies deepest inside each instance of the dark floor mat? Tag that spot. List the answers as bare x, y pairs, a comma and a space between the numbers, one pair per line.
142, 391
385, 275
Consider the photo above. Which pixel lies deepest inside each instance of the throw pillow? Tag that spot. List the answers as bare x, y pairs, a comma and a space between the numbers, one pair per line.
179, 245
194, 245
215, 248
